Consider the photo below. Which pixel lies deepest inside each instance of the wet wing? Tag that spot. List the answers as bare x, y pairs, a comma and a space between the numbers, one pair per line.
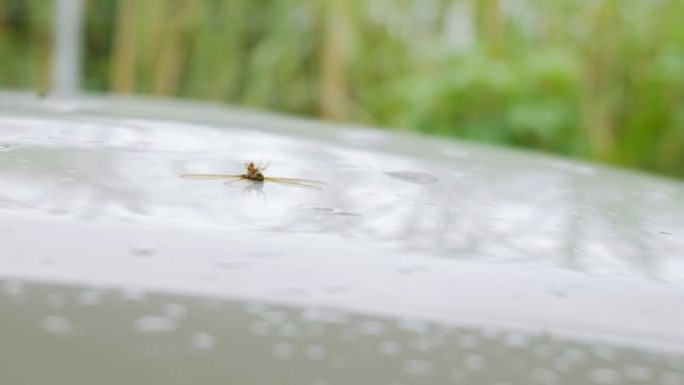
296, 182
212, 176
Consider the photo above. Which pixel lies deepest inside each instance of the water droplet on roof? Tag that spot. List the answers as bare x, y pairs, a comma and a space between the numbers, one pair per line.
155, 324
7, 147
175, 310
57, 325
415, 177
232, 262
203, 341
282, 350
143, 248
90, 298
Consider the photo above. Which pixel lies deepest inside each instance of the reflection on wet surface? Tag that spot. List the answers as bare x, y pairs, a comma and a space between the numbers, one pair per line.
485, 205
420, 261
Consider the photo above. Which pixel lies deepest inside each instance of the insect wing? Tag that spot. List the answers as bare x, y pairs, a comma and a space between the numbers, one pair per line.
296, 182
212, 176
238, 181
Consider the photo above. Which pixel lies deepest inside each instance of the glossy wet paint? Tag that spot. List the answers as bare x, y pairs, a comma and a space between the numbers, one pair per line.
572, 259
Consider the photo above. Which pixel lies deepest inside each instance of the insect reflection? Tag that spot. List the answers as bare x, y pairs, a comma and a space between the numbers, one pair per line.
256, 174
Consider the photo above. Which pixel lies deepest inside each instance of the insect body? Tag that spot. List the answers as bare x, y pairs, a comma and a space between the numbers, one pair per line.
255, 173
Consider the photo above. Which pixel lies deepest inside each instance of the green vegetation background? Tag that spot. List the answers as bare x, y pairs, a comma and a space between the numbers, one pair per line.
599, 79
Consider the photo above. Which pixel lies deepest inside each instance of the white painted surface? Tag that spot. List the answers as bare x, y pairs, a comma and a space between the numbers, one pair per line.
452, 234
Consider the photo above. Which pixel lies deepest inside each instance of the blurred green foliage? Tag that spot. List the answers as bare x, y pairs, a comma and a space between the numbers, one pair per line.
597, 79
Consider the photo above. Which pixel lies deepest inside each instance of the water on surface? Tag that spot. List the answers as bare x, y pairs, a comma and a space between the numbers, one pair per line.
418, 262
214, 340
493, 207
